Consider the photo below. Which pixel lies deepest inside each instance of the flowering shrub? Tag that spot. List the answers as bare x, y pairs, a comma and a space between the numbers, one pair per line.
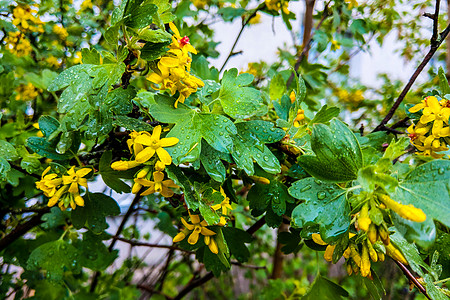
123, 100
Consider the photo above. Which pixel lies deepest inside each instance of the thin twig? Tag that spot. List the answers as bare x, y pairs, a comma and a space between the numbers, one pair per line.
412, 278
143, 244
244, 23
434, 46
435, 22
115, 238
308, 44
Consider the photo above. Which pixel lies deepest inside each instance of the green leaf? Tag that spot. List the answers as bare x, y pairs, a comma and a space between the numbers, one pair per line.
97, 207
427, 187
236, 239
411, 254
271, 198
118, 100
55, 257
211, 161
239, 101
110, 176
325, 289
48, 125
132, 123
396, 148
165, 224
53, 219
325, 114
338, 154
325, 205
154, 36
44, 148
191, 196
443, 82
423, 234
291, 241
374, 286
93, 252
152, 51
249, 146
7, 151
210, 216
90, 56
277, 87
140, 16
191, 127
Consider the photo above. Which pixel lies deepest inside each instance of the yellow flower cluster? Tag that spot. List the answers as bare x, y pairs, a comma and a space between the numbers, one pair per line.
60, 31
299, 118
52, 61
200, 4
359, 256
18, 44
64, 190
26, 92
24, 19
194, 230
197, 227
143, 146
256, 19
174, 67
86, 4
432, 133
277, 5
353, 98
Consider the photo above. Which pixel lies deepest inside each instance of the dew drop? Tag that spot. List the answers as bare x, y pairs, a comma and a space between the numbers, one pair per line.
305, 188
266, 158
441, 171
321, 195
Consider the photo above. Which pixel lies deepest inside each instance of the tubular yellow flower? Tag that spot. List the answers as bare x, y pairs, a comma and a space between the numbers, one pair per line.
133, 146
155, 145
435, 112
395, 254
408, 212
318, 239
365, 261
179, 42
211, 243
48, 183
160, 166
300, 117
123, 165
196, 228
372, 233
75, 178
328, 255
53, 200
363, 219
158, 185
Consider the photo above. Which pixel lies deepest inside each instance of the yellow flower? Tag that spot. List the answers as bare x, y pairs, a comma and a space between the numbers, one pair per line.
335, 45
39, 133
123, 165
256, 19
18, 44
277, 5
48, 183
363, 220
418, 132
26, 92
224, 205
160, 166
52, 61
60, 31
75, 178
408, 212
155, 145
211, 243
179, 42
300, 117
292, 96
86, 4
157, 186
197, 228
77, 58
200, 3
434, 112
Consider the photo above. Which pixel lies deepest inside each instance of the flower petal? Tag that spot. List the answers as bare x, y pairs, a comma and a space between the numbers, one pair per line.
148, 191
83, 172
158, 176
145, 155
167, 142
187, 225
206, 231
156, 134
164, 156
193, 238
73, 189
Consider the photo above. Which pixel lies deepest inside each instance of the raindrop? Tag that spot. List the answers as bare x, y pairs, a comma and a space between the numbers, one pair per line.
221, 133
266, 158
321, 195
317, 181
305, 188
441, 171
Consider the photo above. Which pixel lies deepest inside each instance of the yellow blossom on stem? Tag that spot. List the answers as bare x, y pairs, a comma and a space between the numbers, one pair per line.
75, 178
408, 212
60, 31
26, 92
179, 42
299, 118
256, 19
196, 229
158, 185
224, 205
363, 219
435, 112
155, 145
48, 183
39, 133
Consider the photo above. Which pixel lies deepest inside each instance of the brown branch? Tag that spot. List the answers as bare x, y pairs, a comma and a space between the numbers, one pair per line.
412, 278
116, 236
152, 291
236, 263
244, 23
305, 50
23, 228
435, 23
143, 244
427, 58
